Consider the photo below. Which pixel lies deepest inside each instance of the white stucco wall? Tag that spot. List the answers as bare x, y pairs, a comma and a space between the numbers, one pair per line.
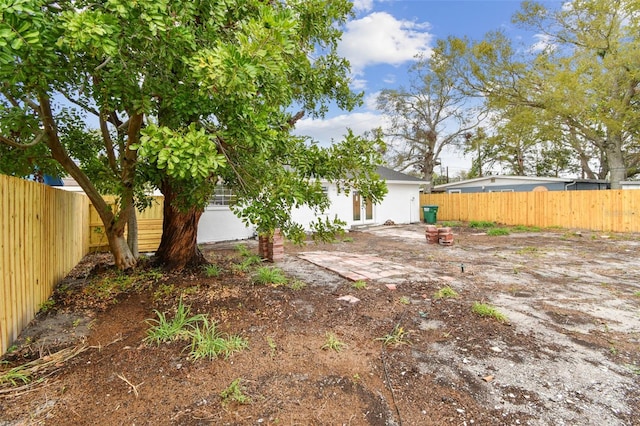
220, 224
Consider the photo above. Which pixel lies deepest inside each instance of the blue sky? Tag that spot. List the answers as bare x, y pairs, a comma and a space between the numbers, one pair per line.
382, 40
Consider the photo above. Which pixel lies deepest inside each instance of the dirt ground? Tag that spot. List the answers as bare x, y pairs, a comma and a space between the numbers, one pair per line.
568, 353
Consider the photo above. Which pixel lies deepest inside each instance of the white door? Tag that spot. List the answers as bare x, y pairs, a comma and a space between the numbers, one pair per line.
362, 209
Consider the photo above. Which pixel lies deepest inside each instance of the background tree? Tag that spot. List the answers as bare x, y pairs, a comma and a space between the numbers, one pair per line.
431, 114
584, 78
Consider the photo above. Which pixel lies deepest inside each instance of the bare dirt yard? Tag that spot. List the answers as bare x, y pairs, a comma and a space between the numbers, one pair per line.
392, 352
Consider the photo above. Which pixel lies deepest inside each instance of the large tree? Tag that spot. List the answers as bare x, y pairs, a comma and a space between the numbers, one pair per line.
585, 80
202, 89
431, 114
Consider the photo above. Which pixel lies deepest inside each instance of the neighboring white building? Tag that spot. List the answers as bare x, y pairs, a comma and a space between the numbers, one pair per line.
630, 184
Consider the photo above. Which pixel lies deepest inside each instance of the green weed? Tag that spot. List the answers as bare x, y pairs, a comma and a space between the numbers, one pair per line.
179, 328
637, 294
208, 342
47, 305
522, 228
163, 290
332, 343
445, 293
485, 310
450, 224
481, 224
234, 392
496, 232
347, 240
15, 376
359, 285
212, 270
397, 337
272, 346
297, 285
270, 276
404, 300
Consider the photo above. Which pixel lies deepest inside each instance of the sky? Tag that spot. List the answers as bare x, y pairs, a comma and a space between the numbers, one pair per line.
381, 42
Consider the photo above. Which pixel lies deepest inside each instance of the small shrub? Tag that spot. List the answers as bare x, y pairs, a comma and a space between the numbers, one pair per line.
359, 285
272, 276
47, 305
496, 232
445, 293
234, 392
333, 343
485, 310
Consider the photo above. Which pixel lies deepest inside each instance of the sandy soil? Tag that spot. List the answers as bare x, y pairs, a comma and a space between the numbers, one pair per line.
569, 352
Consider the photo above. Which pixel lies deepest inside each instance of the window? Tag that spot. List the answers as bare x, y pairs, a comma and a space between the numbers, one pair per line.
455, 191
222, 196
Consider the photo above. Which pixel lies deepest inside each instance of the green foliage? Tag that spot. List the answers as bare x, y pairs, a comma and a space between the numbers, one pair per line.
445, 292
212, 270
522, 228
270, 276
47, 305
297, 285
481, 224
397, 337
208, 342
333, 343
359, 285
404, 300
484, 310
496, 232
179, 328
15, 376
235, 393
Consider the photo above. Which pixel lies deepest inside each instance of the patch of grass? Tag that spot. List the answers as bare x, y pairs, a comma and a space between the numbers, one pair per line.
331, 342
485, 310
47, 305
270, 276
243, 250
234, 393
15, 376
634, 368
109, 287
637, 294
208, 342
397, 337
450, 224
347, 240
273, 348
359, 285
496, 232
297, 285
404, 300
212, 270
481, 224
179, 328
445, 292
522, 228
163, 290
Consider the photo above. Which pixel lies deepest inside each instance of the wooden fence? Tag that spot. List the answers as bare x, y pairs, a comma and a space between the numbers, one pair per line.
613, 211
149, 227
43, 235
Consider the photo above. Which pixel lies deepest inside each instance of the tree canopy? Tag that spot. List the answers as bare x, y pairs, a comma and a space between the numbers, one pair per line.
185, 95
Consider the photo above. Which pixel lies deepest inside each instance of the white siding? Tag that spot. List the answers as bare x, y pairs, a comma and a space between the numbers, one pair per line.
220, 224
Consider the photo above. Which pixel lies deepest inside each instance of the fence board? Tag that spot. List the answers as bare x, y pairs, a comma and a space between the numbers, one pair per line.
613, 210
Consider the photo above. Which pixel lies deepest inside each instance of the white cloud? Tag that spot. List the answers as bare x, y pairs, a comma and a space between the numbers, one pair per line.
358, 84
544, 42
335, 128
362, 5
379, 38
371, 101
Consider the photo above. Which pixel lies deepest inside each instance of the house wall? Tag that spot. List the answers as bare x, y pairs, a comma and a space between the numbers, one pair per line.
551, 186
401, 205
218, 223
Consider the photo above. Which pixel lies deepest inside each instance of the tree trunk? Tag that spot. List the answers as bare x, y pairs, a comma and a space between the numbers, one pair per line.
122, 255
132, 233
178, 246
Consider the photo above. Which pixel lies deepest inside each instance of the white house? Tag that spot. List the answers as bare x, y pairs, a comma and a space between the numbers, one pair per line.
401, 205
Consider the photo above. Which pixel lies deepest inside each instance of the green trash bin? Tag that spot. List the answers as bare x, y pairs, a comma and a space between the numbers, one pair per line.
430, 214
